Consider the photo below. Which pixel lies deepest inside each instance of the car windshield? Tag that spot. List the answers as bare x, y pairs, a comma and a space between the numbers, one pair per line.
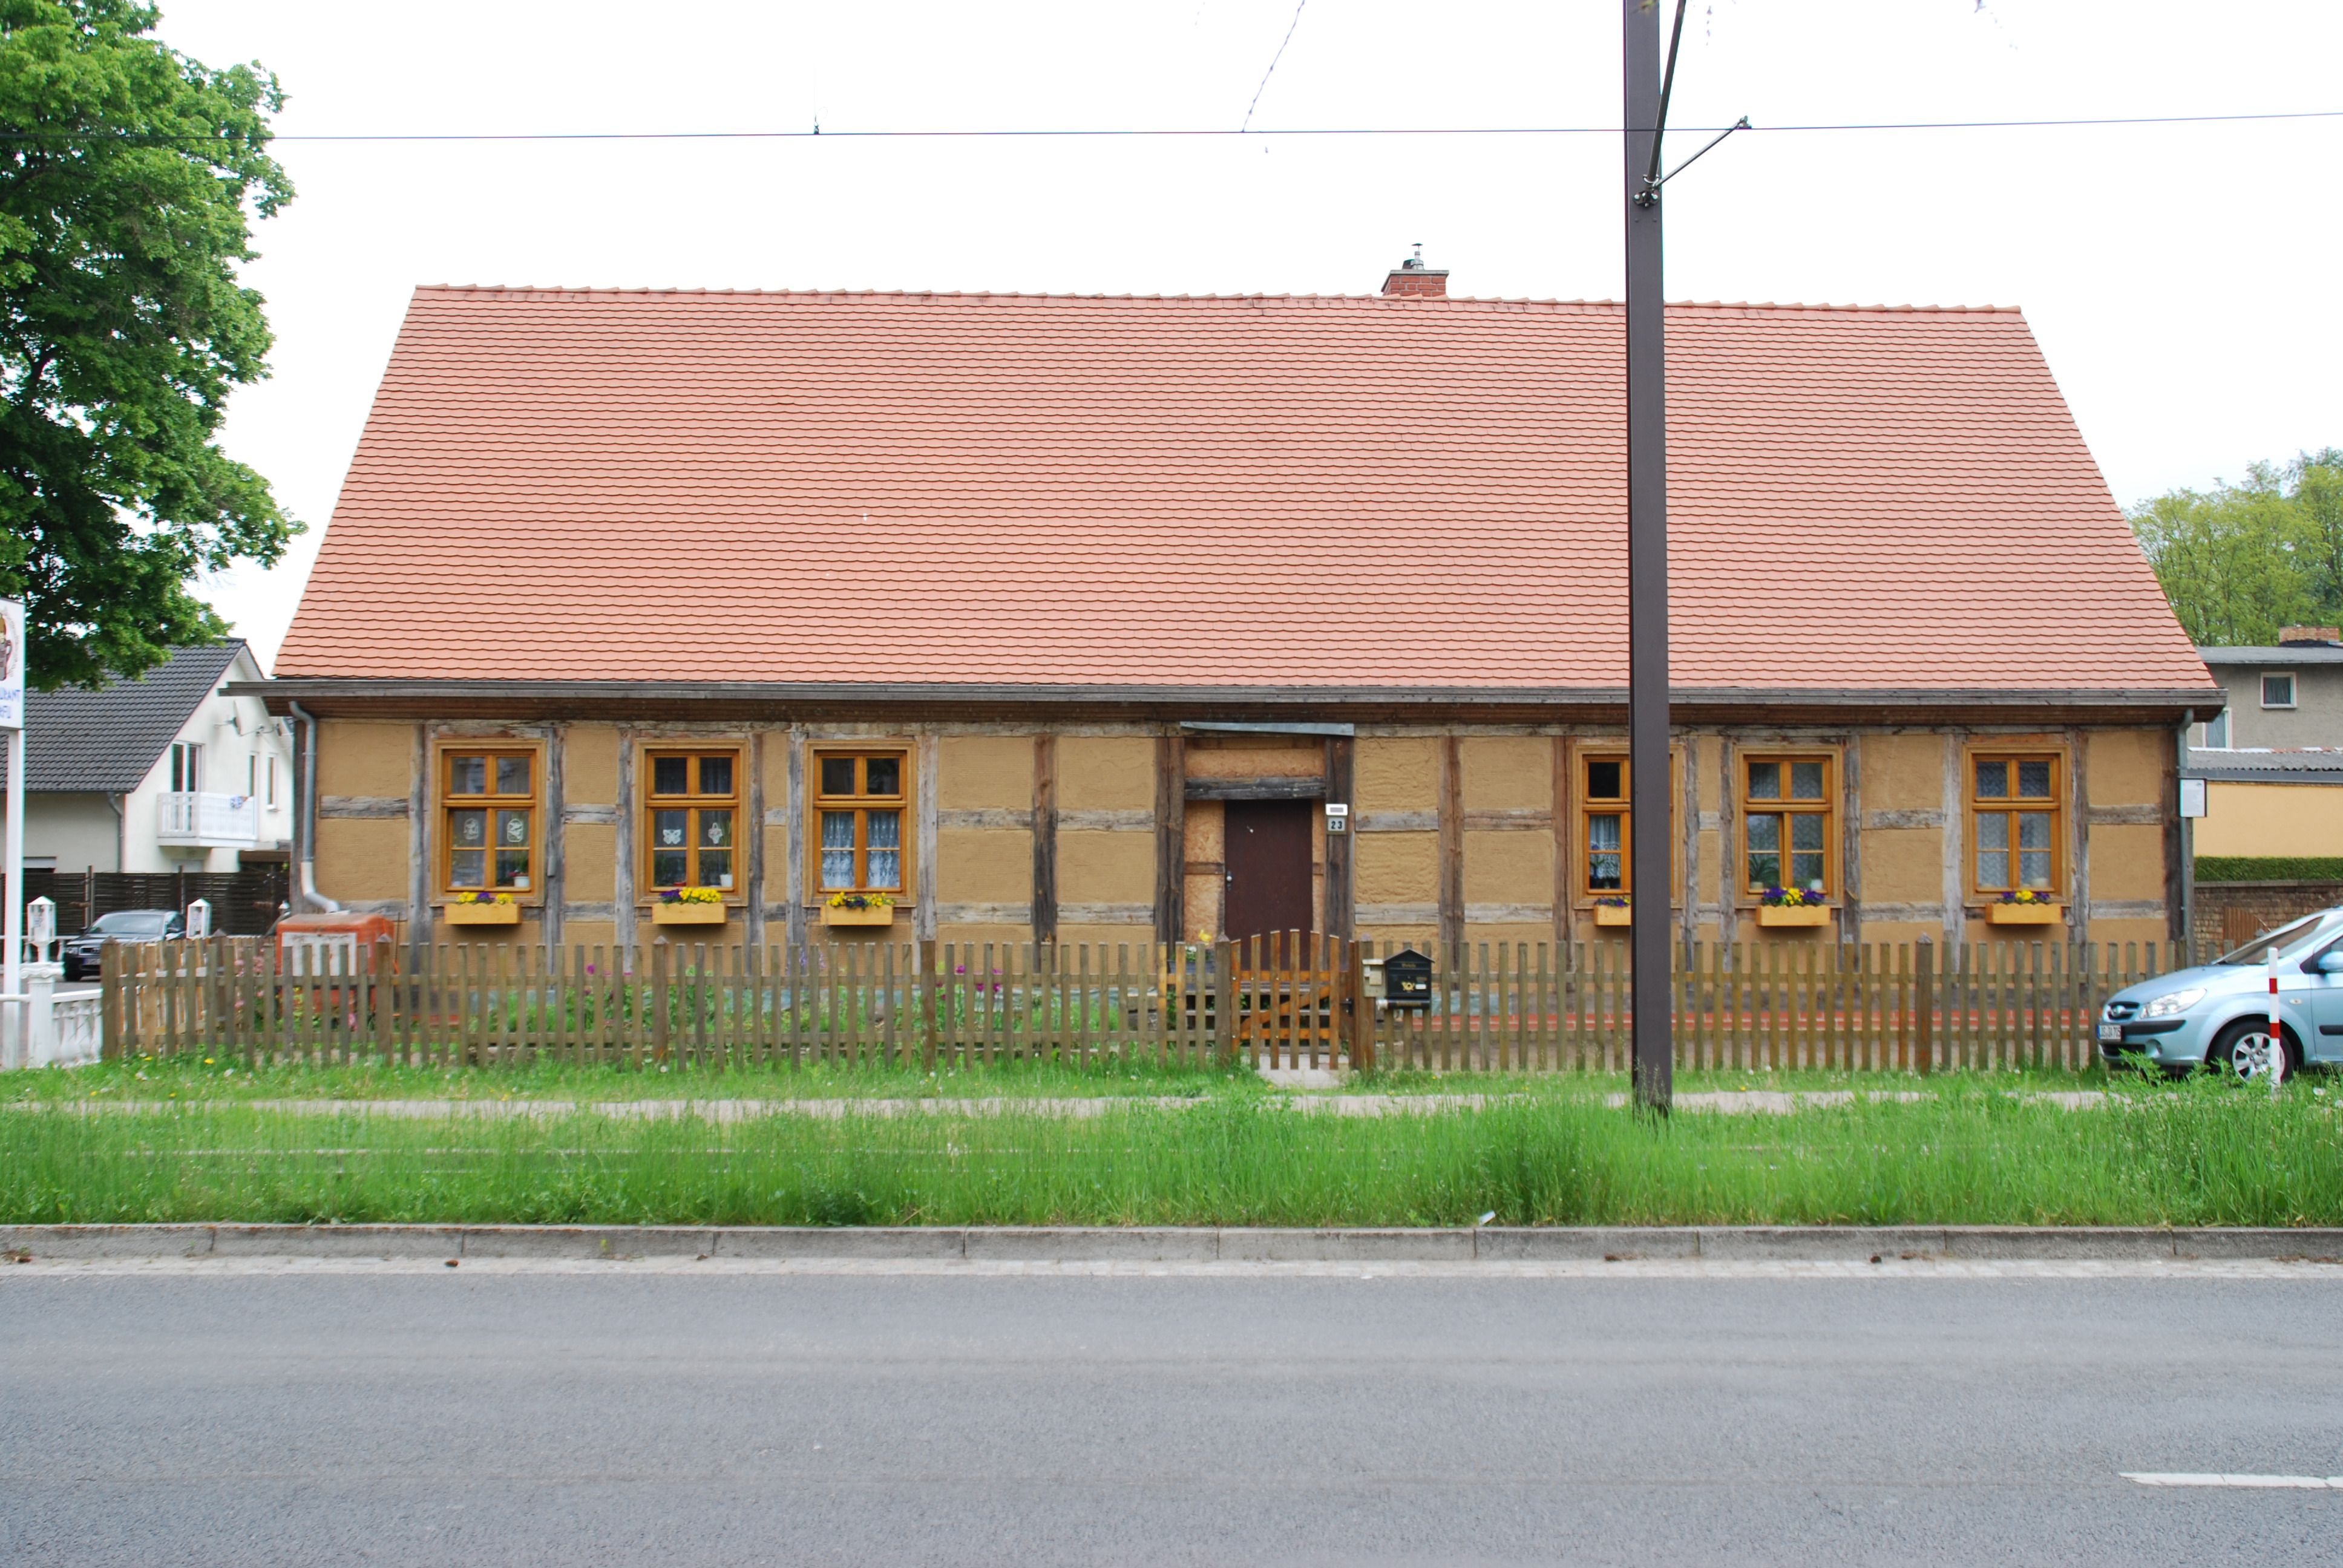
132, 923
2257, 951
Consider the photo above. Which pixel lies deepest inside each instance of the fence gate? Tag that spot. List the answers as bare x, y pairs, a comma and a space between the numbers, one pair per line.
1290, 987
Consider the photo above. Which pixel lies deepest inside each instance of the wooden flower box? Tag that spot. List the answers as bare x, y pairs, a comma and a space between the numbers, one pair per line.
484, 914
665, 914
831, 916
2026, 914
1793, 914
1613, 915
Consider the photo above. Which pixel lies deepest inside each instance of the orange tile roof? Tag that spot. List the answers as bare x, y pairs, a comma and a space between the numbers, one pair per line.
599, 484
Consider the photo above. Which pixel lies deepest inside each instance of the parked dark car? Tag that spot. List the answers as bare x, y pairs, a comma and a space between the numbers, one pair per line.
82, 955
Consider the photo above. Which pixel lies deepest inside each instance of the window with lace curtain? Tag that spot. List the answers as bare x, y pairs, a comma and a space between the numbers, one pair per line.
860, 805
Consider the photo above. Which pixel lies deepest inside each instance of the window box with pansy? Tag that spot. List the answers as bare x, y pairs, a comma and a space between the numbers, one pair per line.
482, 910
1779, 906
2024, 907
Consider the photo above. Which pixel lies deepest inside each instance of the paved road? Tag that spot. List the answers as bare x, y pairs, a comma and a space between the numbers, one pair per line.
469, 1418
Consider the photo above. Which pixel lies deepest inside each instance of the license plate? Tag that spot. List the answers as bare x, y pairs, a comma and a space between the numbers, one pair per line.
2110, 1031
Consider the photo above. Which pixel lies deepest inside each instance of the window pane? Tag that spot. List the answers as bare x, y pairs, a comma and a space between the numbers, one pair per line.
1807, 870
2277, 692
715, 776
714, 867
2034, 829
1993, 780
2034, 868
670, 868
670, 775
838, 775
467, 829
1603, 848
2034, 780
715, 829
836, 846
885, 830
1765, 781
512, 869
512, 775
1765, 832
1765, 870
1765, 847
884, 776
1603, 781
467, 868
1806, 830
1806, 781
512, 830
1993, 849
668, 828
467, 775
2034, 850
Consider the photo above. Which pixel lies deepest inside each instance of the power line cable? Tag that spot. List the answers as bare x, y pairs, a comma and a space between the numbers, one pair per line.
1273, 59
1152, 132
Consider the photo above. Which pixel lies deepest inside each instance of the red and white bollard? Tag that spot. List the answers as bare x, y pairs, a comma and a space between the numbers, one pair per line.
2275, 1068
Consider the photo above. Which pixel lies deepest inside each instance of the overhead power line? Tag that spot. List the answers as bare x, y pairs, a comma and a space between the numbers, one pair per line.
1143, 132
1273, 59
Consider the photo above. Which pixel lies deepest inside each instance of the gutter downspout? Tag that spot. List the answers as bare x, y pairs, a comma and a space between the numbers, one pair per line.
119, 805
307, 887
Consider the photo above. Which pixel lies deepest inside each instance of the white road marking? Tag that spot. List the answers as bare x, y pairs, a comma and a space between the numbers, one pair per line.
2277, 1483
216, 1267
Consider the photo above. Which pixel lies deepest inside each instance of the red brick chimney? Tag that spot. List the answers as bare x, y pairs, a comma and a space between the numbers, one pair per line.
1411, 278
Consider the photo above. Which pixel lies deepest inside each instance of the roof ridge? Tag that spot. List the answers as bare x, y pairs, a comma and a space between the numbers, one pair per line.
1410, 302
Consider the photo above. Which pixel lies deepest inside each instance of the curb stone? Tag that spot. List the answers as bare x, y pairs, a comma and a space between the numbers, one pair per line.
1849, 1243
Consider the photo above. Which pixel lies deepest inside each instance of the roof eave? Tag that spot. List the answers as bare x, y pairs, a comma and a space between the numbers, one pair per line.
346, 696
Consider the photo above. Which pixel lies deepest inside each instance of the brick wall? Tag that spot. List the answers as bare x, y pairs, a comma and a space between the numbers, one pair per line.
2228, 914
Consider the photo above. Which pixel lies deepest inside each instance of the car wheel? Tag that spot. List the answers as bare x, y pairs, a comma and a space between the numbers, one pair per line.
2246, 1050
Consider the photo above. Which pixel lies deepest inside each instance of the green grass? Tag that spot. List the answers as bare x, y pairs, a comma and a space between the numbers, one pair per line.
2199, 1152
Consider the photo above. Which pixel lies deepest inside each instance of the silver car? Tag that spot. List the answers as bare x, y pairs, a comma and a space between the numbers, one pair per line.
2217, 1014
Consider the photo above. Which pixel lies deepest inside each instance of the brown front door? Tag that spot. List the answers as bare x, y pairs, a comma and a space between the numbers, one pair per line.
1268, 857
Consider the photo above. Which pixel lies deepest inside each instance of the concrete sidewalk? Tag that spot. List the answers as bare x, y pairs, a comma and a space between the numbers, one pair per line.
1171, 1244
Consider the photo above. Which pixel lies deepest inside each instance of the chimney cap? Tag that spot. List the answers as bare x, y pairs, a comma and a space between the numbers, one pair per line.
2308, 635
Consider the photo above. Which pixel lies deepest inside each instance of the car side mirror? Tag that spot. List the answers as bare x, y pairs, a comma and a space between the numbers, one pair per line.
2328, 962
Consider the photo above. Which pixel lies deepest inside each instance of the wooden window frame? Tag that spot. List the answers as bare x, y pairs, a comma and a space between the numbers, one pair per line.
1586, 807
904, 801
648, 801
445, 801
1976, 806
1745, 807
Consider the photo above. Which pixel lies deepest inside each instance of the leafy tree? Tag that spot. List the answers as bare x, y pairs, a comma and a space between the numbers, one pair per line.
128, 173
2242, 561
2316, 482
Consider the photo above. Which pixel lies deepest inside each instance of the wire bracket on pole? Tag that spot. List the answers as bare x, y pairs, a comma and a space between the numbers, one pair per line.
1650, 191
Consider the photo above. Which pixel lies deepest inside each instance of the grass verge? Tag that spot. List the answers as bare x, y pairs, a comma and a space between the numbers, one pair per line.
2202, 1152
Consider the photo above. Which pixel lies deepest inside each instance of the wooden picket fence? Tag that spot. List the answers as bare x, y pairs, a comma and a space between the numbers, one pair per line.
1291, 1001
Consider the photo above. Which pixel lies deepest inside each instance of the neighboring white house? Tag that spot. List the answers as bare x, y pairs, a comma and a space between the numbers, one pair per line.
158, 774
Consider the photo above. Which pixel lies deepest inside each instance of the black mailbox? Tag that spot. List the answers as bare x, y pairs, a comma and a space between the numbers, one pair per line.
1407, 980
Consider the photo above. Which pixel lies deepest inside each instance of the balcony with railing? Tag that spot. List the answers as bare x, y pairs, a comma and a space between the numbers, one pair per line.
189, 819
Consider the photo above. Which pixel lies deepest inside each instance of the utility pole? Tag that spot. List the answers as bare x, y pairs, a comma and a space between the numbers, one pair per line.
1650, 816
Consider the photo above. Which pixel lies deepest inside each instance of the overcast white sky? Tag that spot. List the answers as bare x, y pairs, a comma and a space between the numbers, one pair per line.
2181, 278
